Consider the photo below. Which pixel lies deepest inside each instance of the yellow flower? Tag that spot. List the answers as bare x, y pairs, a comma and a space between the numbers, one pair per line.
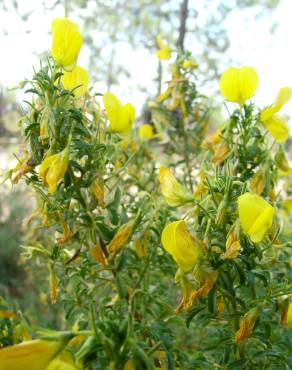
256, 216
275, 124
67, 42
63, 362
258, 182
174, 193
238, 84
164, 51
30, 355
188, 63
146, 132
78, 77
53, 169
177, 241
121, 117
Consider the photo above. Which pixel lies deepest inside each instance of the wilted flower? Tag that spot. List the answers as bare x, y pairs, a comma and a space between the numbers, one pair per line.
164, 51
67, 42
246, 325
238, 84
121, 237
97, 188
275, 124
256, 216
232, 243
98, 255
121, 117
281, 160
177, 241
174, 193
207, 277
146, 131
77, 77
221, 153
258, 182
53, 169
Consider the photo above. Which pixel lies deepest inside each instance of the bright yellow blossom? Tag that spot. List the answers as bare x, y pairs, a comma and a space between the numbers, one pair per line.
67, 42
188, 63
30, 355
78, 77
164, 51
53, 169
275, 124
121, 117
146, 131
174, 193
177, 241
256, 216
238, 84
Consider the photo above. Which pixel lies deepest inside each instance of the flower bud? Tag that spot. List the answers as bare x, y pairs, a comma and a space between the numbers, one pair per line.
177, 241
174, 193
281, 160
256, 216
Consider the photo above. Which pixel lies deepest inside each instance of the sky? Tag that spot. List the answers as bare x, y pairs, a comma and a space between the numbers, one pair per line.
250, 44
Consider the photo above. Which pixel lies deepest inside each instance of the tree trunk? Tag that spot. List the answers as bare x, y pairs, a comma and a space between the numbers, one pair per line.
182, 24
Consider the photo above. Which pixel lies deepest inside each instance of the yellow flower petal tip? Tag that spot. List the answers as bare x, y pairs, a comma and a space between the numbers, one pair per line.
275, 124
174, 193
53, 169
29, 355
177, 241
146, 132
76, 80
164, 51
256, 216
238, 84
66, 43
121, 117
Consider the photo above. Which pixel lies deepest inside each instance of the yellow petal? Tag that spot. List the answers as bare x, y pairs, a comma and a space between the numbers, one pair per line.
112, 106
30, 355
45, 165
277, 127
146, 131
164, 51
78, 77
284, 95
67, 42
177, 241
174, 193
238, 84
256, 216
126, 119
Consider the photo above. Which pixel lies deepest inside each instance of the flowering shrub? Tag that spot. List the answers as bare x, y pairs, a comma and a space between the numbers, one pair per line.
167, 246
